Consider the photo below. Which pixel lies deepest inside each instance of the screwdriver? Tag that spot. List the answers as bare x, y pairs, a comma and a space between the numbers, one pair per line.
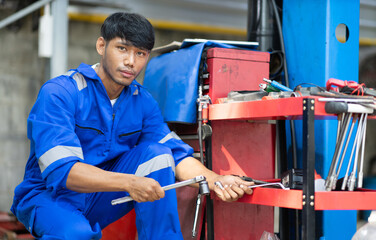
278, 85
268, 88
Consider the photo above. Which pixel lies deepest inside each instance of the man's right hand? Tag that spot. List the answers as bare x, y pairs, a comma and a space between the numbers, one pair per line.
86, 178
143, 189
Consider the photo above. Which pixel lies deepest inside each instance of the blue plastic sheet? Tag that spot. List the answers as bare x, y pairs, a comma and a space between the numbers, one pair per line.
172, 79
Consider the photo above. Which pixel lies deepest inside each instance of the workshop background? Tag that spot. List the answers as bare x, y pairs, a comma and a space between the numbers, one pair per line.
23, 71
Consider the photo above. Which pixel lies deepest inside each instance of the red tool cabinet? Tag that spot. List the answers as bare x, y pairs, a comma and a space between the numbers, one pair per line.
240, 147
235, 70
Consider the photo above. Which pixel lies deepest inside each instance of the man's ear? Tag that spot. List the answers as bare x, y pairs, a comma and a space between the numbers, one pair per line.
101, 45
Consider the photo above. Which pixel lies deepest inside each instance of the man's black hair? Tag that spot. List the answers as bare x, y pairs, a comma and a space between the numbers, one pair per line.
129, 26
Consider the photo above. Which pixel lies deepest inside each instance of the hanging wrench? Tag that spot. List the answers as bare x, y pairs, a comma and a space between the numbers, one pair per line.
355, 117
341, 153
352, 179
332, 171
360, 175
345, 180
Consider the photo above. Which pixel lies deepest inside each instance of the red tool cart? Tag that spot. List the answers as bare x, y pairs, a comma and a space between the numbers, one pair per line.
308, 109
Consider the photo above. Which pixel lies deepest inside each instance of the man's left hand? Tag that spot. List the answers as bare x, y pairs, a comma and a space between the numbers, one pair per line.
233, 188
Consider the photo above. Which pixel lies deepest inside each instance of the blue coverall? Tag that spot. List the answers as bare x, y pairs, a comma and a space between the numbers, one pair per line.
73, 121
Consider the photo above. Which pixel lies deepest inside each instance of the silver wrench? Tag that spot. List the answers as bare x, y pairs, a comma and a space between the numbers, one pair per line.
197, 179
360, 175
352, 179
345, 180
335, 172
329, 183
345, 149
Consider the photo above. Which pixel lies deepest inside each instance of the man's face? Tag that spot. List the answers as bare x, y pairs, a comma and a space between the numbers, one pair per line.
121, 61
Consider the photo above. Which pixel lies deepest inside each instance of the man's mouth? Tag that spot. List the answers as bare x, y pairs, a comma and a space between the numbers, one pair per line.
127, 73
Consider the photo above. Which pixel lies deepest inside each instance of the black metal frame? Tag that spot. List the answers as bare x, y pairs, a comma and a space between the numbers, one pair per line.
308, 212
209, 201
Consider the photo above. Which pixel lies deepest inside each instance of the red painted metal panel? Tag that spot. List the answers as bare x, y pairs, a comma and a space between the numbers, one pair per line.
240, 147
243, 148
275, 197
237, 54
334, 200
122, 229
234, 221
283, 108
235, 70
345, 200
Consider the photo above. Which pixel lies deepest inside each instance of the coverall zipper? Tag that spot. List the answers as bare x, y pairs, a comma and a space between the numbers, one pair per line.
130, 133
90, 128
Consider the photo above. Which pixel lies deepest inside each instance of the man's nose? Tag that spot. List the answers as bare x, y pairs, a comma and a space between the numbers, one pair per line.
129, 59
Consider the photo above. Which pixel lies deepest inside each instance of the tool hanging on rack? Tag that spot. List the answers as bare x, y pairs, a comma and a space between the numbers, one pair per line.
347, 109
204, 129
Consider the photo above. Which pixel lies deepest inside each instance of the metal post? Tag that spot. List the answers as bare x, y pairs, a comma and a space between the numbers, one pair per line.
308, 214
266, 27
59, 57
20, 14
314, 55
260, 24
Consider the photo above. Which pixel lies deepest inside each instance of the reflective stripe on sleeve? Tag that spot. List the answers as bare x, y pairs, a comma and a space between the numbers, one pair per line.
155, 164
57, 153
80, 80
169, 136
68, 73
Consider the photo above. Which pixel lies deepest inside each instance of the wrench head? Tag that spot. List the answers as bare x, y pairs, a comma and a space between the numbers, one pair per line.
199, 178
204, 188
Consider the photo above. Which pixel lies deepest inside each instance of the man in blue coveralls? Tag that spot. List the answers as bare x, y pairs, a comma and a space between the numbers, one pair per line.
96, 135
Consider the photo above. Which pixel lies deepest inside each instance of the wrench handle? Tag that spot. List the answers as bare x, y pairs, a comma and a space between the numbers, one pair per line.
197, 212
165, 188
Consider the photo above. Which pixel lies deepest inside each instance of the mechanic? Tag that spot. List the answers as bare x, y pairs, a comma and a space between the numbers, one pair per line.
96, 135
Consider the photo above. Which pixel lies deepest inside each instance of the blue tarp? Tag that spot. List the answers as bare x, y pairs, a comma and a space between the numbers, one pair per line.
172, 79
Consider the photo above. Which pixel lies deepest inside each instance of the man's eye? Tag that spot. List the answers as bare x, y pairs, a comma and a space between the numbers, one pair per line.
121, 48
141, 54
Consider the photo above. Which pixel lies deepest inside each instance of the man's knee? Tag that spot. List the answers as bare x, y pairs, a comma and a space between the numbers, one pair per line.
56, 222
84, 231
75, 231
157, 157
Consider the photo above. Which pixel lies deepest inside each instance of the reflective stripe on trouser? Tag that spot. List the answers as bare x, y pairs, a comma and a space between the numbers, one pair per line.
59, 218
154, 220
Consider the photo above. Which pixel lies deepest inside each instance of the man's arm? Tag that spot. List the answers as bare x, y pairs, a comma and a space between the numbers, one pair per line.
234, 187
86, 178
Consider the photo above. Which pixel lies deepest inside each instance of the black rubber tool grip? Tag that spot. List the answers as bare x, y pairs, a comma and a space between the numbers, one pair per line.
336, 107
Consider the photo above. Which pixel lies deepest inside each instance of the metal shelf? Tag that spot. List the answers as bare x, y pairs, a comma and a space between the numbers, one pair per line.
335, 200
272, 109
